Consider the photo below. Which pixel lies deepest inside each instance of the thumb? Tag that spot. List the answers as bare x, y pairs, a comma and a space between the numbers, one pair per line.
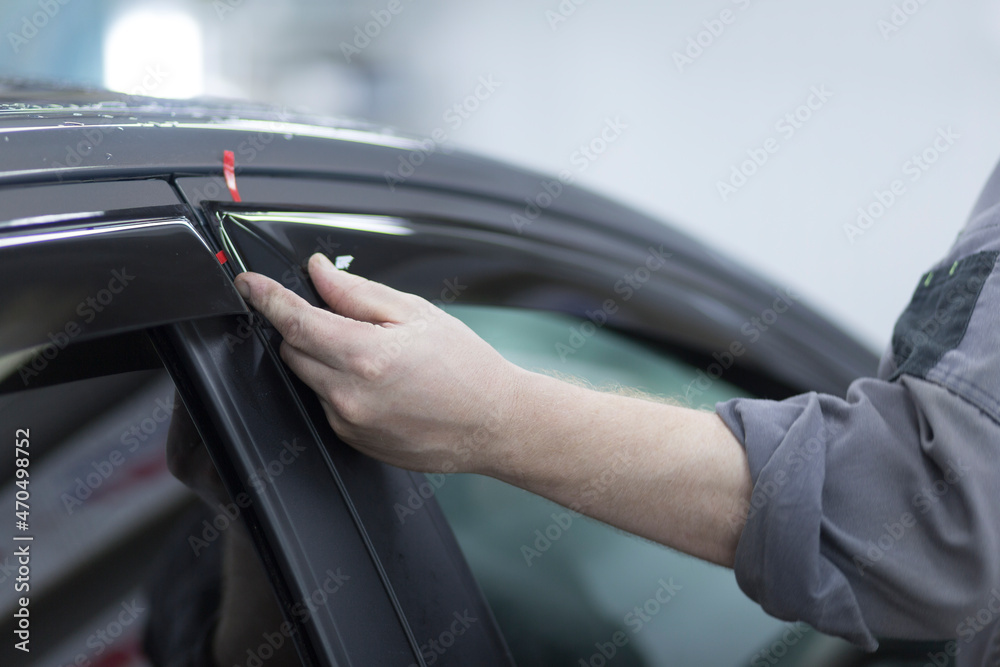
356, 297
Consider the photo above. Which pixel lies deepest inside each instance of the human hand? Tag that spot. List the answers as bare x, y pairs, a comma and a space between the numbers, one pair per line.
398, 378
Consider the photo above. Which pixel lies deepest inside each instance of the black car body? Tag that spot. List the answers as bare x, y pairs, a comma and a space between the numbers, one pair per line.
120, 233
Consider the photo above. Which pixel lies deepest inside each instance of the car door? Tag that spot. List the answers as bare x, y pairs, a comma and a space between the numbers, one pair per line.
572, 298
472, 236
106, 280
87, 268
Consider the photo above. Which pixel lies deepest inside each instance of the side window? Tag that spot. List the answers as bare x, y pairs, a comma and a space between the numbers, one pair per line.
94, 516
118, 520
570, 590
91, 505
565, 589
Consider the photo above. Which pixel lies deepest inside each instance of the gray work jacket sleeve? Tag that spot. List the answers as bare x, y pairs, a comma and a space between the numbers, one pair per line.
877, 515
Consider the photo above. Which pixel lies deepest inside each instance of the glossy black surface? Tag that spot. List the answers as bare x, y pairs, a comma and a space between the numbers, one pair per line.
69, 283
43, 205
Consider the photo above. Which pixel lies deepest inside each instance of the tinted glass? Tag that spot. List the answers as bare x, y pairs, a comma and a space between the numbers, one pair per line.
566, 588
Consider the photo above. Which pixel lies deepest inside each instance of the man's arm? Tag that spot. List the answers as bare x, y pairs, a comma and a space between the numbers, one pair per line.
406, 383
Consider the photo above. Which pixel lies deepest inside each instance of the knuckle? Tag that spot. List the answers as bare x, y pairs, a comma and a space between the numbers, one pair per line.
352, 411
370, 368
266, 299
424, 309
415, 302
292, 328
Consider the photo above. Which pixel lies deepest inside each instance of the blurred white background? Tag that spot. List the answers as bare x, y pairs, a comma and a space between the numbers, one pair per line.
899, 74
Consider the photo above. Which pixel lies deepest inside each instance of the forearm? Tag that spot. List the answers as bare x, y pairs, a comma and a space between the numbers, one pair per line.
449, 402
671, 474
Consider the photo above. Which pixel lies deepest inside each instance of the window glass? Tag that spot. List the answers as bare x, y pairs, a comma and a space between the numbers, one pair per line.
115, 543
566, 588
97, 499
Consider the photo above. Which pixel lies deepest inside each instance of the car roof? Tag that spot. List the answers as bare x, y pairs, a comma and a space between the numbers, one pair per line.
56, 134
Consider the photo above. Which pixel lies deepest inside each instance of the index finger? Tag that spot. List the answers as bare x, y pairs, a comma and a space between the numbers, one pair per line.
319, 333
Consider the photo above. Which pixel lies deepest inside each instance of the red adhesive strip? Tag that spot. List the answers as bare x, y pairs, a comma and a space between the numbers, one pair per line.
221, 256
229, 171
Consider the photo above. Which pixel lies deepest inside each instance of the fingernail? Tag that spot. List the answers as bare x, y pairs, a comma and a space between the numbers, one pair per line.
242, 287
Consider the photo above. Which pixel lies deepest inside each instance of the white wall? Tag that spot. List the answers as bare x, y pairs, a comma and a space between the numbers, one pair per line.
686, 129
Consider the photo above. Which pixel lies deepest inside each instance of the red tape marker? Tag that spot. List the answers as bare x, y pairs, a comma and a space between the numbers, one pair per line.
229, 171
221, 256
